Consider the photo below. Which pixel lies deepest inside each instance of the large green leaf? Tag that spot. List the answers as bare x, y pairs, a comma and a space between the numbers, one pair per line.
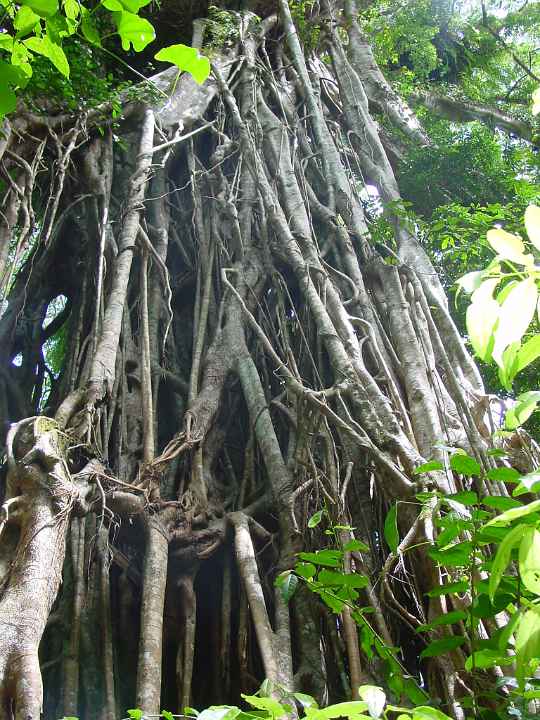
89, 28
328, 558
528, 483
43, 8
440, 647
525, 406
134, 30
44, 46
448, 618
391, 532
528, 352
529, 559
482, 659
186, 59
502, 558
459, 586
454, 556
25, 21
527, 643
331, 577
514, 514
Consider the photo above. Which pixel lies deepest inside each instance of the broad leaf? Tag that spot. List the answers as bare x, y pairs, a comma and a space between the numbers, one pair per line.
503, 474
315, 519
515, 316
508, 246
514, 514
502, 558
287, 582
375, 699
528, 352
482, 659
527, 643
425, 712
529, 560
440, 647
331, 577
186, 59
448, 618
456, 587
345, 709
532, 224
465, 465
391, 532
328, 558
353, 545
467, 497
134, 30
428, 467
89, 28
25, 21
454, 556
43, 8
44, 46
528, 483
481, 318
522, 410
275, 708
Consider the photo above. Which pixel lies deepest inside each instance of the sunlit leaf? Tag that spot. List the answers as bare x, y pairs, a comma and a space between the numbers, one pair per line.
134, 30
529, 560
502, 558
527, 643
465, 465
89, 28
481, 318
536, 102
375, 699
44, 46
315, 519
524, 407
532, 224
43, 8
428, 467
514, 514
515, 316
528, 483
508, 246
25, 20
186, 59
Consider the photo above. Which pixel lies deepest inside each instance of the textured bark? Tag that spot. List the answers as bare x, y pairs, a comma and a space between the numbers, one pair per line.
238, 356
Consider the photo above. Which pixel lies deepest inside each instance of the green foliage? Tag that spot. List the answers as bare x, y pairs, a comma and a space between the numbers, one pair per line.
59, 34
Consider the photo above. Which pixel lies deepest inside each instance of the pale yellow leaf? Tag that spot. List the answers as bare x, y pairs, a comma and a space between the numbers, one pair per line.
515, 316
482, 314
508, 246
536, 102
532, 224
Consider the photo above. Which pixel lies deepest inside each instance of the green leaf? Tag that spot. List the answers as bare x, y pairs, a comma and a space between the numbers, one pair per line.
501, 503
465, 465
88, 28
502, 558
186, 59
448, 618
167, 714
287, 582
528, 483
482, 659
454, 556
305, 570
43, 8
428, 467
134, 30
528, 352
8, 99
354, 580
391, 532
344, 709
439, 647
456, 587
328, 558
275, 708
467, 497
305, 700
44, 46
135, 714
503, 474
353, 545
529, 559
527, 643
525, 406
72, 10
430, 713
514, 514
375, 699
315, 519
219, 712
25, 20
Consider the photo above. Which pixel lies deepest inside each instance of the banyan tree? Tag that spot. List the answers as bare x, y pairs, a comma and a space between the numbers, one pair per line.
201, 346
